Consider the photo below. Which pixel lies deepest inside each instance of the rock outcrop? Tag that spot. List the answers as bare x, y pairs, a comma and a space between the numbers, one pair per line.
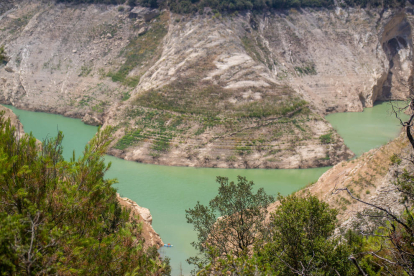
233, 91
14, 120
150, 236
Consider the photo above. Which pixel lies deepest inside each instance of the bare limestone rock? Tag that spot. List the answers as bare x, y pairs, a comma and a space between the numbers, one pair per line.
144, 13
142, 31
13, 119
337, 60
91, 119
151, 237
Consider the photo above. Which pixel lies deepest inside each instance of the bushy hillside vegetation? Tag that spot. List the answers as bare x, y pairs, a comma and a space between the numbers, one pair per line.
299, 238
192, 6
109, 2
302, 236
63, 217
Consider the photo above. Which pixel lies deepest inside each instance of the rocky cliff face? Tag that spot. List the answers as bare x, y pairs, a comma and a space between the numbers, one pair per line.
151, 237
14, 120
245, 90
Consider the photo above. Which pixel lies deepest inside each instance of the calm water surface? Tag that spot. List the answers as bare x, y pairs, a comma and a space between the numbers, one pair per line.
168, 191
366, 130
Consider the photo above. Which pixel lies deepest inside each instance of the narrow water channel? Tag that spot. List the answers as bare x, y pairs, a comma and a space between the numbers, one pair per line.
168, 191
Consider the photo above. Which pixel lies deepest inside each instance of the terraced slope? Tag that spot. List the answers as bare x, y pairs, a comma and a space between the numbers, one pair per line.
240, 90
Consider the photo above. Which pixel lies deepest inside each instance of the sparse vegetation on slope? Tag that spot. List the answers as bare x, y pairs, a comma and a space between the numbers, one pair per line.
163, 120
141, 48
205, 94
187, 6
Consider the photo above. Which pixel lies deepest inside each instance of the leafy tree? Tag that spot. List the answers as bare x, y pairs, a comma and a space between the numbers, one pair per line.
302, 242
62, 217
231, 223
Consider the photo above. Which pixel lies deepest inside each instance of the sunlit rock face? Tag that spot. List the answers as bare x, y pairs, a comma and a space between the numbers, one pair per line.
202, 90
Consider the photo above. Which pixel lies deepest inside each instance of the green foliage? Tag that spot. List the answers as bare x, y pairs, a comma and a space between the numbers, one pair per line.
184, 97
249, 45
297, 241
301, 240
376, 3
126, 95
395, 159
231, 223
3, 57
326, 138
231, 6
306, 70
157, 127
187, 6
129, 139
62, 217
162, 144
100, 107
231, 158
243, 149
270, 107
108, 2
85, 71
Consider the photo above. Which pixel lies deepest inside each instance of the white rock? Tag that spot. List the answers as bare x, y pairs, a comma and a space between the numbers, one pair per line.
142, 31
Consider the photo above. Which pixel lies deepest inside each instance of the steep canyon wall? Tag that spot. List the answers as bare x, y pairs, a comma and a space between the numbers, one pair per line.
243, 90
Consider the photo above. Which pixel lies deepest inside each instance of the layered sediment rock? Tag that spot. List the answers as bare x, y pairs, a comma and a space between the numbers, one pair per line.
204, 90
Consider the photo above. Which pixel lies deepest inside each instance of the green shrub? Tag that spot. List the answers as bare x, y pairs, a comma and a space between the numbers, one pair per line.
161, 145
395, 159
3, 57
326, 138
63, 217
306, 70
85, 71
302, 231
129, 139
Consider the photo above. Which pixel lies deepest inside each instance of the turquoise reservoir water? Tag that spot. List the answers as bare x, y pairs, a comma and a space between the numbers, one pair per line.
366, 130
168, 191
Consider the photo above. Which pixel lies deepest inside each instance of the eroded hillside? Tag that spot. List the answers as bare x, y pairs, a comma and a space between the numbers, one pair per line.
241, 90
371, 177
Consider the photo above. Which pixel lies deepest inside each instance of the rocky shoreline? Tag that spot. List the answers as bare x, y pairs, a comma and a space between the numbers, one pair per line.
151, 237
